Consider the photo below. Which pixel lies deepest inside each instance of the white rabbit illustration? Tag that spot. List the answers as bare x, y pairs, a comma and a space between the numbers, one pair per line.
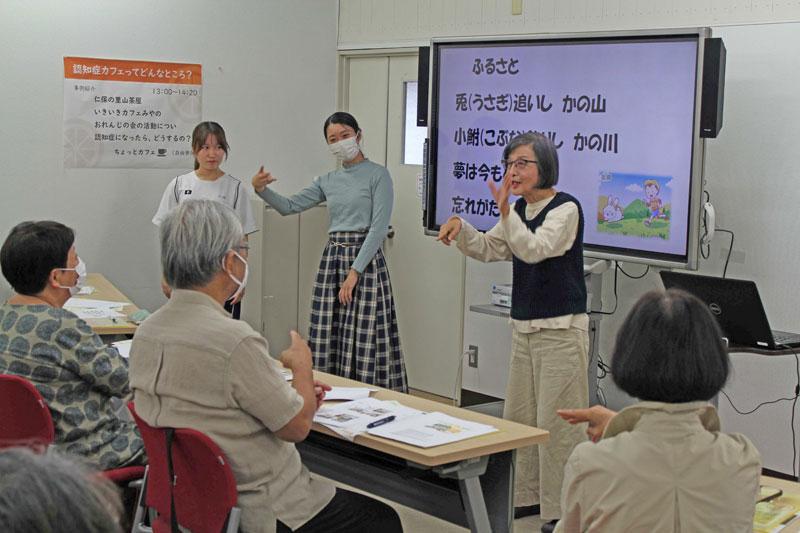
612, 212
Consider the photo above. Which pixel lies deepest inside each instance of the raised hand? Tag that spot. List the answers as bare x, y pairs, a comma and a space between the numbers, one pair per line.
262, 179
502, 194
298, 355
597, 416
449, 231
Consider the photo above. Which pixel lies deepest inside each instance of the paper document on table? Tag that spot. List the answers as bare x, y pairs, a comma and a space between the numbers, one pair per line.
775, 514
123, 347
348, 419
348, 393
86, 289
75, 303
101, 312
431, 429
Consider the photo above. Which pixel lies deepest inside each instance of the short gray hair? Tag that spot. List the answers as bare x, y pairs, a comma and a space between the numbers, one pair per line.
195, 236
545, 152
48, 492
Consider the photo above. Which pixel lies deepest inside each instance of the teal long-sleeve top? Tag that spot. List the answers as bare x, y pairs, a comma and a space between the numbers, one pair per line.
359, 197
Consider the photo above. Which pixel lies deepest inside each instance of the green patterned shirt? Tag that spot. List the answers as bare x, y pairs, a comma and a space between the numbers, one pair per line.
78, 376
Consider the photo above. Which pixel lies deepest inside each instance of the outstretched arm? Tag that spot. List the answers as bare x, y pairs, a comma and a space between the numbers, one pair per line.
597, 416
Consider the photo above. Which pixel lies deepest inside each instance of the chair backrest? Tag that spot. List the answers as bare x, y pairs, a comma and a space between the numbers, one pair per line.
157, 491
25, 419
204, 487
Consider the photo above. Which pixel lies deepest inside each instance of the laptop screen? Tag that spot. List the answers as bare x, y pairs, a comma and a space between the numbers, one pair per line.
734, 303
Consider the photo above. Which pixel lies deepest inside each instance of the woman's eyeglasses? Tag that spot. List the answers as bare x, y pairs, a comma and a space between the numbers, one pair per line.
519, 164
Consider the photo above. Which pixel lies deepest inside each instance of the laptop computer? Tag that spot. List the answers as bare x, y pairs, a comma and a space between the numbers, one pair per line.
737, 307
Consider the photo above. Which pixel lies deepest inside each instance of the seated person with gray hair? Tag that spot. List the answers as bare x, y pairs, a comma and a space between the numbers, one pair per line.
76, 374
662, 465
194, 366
51, 493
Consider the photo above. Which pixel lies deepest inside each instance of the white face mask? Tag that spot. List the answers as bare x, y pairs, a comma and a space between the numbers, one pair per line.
240, 283
346, 149
79, 269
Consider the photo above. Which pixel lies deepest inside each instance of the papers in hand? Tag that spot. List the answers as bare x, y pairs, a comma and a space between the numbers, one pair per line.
431, 429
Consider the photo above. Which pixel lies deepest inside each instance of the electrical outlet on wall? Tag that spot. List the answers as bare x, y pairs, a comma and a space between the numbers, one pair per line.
472, 356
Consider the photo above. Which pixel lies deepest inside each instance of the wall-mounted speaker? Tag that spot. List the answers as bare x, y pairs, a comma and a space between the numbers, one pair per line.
713, 90
423, 69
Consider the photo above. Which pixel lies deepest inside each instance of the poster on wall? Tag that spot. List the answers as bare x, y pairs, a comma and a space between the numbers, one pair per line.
129, 114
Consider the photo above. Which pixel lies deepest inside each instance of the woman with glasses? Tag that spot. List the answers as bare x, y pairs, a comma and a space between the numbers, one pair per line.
353, 330
542, 233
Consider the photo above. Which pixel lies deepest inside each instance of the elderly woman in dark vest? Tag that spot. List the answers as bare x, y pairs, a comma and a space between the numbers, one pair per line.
542, 233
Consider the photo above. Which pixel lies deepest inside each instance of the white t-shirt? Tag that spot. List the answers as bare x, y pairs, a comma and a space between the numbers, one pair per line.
226, 189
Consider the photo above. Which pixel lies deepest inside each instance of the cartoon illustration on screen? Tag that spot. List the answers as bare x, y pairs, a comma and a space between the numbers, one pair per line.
651, 190
634, 205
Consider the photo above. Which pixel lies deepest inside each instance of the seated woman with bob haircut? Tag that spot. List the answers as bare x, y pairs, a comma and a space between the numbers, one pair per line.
71, 367
662, 465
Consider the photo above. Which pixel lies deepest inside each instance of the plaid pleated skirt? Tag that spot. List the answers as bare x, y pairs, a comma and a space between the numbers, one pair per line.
361, 340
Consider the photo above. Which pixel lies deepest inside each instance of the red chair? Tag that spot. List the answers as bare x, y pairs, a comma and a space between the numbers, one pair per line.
203, 488
25, 420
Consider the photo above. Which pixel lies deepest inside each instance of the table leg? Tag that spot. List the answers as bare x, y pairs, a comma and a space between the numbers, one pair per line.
487, 487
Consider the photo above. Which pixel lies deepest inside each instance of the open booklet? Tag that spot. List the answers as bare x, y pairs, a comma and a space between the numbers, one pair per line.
397, 422
431, 429
348, 419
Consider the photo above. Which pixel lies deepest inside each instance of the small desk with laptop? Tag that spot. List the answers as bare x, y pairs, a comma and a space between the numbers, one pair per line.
104, 290
763, 368
478, 472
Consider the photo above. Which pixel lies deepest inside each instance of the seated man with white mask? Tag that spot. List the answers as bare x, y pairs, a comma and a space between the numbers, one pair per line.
73, 370
193, 366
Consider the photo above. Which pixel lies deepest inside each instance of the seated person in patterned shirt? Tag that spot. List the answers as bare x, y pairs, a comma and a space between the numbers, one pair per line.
70, 366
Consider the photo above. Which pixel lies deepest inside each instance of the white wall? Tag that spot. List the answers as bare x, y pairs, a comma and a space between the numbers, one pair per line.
269, 77
389, 23
751, 170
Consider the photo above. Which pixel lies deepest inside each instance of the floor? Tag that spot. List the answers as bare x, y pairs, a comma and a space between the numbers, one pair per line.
416, 522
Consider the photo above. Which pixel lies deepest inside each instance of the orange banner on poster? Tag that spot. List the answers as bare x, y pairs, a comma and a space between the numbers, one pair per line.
89, 68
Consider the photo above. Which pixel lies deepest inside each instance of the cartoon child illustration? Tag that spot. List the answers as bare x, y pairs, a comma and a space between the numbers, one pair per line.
651, 190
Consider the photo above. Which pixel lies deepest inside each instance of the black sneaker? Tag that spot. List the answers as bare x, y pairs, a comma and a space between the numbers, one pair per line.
528, 510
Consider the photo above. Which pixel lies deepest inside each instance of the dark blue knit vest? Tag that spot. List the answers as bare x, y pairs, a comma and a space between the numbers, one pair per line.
553, 287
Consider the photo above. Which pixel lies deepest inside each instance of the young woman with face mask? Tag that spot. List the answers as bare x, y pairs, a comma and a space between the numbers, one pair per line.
352, 298
209, 182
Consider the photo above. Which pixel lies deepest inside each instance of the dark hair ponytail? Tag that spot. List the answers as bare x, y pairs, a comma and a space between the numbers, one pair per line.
340, 117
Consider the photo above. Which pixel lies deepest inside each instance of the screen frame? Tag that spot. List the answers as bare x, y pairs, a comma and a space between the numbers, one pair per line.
688, 260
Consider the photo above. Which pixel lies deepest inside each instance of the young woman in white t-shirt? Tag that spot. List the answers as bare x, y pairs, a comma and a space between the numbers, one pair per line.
209, 182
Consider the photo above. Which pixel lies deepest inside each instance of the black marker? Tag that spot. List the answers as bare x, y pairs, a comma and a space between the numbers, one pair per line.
380, 422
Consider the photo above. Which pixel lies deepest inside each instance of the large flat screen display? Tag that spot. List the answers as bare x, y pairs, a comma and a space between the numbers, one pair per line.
620, 109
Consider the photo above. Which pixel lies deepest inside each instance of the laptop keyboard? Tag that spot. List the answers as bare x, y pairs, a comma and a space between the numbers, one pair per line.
783, 337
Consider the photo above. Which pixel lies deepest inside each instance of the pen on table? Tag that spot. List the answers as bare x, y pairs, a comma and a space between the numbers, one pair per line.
380, 422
